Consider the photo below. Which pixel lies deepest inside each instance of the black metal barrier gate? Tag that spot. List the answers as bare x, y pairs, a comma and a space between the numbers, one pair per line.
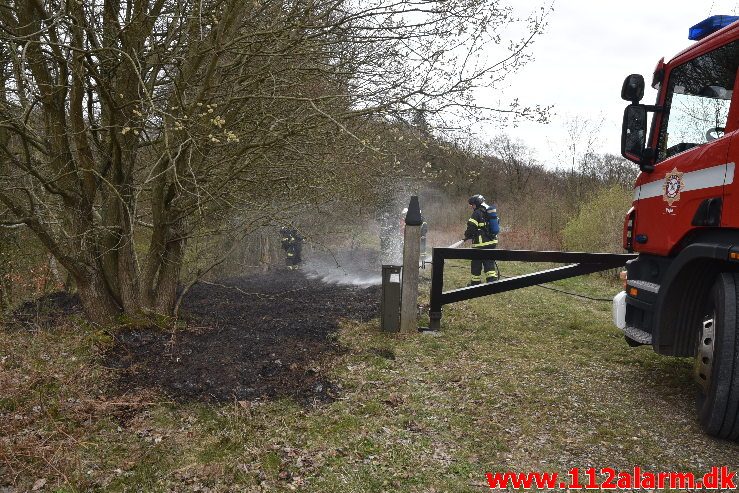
580, 264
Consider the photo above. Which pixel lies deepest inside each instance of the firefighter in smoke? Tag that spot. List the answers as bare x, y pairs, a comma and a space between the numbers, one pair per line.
292, 243
424, 232
480, 232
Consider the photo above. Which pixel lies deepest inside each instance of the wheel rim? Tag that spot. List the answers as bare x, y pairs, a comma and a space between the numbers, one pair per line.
704, 354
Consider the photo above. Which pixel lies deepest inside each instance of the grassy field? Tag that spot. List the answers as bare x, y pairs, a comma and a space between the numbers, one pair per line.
530, 380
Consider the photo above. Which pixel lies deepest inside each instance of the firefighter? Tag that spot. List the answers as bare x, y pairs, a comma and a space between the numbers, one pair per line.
479, 232
292, 243
424, 232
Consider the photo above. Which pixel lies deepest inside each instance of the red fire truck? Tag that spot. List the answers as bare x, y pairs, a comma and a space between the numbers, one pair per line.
682, 291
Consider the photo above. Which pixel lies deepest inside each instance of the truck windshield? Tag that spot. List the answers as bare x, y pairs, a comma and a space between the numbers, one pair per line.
697, 103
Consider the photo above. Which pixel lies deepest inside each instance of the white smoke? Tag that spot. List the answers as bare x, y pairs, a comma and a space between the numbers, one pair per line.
355, 267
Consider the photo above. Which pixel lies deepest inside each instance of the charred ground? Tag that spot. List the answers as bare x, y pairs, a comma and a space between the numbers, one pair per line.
260, 336
265, 335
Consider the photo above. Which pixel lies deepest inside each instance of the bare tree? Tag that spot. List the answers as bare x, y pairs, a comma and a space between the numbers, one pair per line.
609, 169
517, 161
130, 129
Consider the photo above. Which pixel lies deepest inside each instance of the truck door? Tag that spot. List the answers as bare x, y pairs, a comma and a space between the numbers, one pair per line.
693, 165
729, 216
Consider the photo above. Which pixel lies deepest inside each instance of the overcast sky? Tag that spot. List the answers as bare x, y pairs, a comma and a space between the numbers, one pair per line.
582, 58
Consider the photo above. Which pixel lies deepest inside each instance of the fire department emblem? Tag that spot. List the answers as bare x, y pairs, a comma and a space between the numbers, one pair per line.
672, 186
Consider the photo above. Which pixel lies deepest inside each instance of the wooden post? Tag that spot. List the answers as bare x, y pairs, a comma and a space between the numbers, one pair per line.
411, 255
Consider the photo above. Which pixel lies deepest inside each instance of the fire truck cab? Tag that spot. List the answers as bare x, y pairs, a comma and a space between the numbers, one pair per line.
682, 291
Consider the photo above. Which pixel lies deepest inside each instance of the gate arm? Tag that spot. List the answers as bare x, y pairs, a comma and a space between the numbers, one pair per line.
608, 260
518, 282
582, 263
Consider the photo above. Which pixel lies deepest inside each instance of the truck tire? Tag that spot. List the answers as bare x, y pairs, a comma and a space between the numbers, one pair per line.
717, 360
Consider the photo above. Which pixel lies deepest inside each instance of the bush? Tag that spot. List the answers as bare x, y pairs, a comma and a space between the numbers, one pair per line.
599, 224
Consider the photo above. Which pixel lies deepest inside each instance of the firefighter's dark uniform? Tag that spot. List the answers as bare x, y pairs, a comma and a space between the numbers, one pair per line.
478, 232
292, 243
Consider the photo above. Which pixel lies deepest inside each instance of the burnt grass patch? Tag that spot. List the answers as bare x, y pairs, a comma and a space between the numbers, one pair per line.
44, 312
261, 336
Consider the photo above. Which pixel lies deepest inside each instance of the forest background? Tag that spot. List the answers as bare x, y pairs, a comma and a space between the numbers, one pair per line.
145, 146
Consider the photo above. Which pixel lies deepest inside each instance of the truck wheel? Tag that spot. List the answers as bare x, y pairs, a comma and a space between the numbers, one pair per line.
717, 360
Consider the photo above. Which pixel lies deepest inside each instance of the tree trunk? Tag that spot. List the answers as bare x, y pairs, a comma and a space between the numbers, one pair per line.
128, 279
169, 276
127, 265
5, 294
98, 303
54, 269
266, 252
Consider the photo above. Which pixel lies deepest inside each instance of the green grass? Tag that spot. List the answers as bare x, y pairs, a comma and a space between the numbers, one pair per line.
527, 380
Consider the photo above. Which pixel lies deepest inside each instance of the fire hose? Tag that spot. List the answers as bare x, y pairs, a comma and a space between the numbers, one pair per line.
453, 245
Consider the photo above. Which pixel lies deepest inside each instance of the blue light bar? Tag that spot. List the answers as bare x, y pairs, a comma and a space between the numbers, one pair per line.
710, 25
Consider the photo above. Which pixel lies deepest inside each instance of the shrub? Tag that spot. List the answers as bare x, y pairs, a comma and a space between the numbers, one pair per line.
599, 224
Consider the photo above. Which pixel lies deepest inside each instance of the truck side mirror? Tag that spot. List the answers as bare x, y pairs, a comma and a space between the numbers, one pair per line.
634, 133
633, 88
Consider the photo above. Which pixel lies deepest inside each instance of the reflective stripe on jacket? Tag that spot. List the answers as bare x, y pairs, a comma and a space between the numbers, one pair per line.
477, 229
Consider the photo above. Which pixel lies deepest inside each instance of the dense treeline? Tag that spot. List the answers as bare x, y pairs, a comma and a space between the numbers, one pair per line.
134, 135
536, 198
145, 145
542, 206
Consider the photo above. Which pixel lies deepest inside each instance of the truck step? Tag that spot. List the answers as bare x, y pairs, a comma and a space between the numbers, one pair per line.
638, 335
